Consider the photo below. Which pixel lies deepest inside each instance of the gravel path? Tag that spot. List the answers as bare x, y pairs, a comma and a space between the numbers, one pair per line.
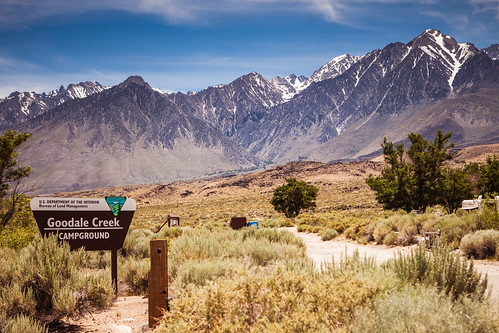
321, 252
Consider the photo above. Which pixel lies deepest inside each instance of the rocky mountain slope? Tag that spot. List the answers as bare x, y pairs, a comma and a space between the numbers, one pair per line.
131, 133
19, 107
127, 134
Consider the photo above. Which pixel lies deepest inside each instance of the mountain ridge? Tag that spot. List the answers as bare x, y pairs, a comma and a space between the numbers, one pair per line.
133, 134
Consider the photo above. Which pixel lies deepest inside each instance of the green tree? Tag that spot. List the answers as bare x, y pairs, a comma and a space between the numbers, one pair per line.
294, 196
490, 176
455, 187
391, 187
413, 177
11, 174
426, 168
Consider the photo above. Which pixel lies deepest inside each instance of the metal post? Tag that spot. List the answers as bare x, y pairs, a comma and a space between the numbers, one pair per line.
158, 281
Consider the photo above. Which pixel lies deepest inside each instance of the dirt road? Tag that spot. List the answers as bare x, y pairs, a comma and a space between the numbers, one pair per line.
321, 252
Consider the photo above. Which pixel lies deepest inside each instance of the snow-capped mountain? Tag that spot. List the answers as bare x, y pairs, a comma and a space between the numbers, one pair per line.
290, 85
444, 50
21, 106
135, 134
335, 67
347, 116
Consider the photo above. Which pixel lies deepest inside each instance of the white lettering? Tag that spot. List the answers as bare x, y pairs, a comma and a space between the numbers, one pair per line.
72, 223
84, 235
105, 223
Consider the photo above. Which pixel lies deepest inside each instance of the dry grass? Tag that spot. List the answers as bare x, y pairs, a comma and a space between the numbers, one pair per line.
212, 201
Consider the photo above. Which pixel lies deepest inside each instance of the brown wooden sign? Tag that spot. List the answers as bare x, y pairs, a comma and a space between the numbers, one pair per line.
237, 222
93, 223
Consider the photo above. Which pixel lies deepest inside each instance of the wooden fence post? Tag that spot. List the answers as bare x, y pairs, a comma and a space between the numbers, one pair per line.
114, 270
158, 281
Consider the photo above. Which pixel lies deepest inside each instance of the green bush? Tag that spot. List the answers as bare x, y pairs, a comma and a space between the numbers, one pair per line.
14, 300
481, 244
328, 234
21, 324
423, 309
45, 281
391, 239
488, 217
276, 222
172, 232
452, 228
273, 236
199, 273
360, 232
441, 268
135, 273
100, 289
200, 252
137, 243
21, 229
279, 301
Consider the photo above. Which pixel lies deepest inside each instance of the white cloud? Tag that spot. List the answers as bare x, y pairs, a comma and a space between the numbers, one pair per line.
484, 6
28, 11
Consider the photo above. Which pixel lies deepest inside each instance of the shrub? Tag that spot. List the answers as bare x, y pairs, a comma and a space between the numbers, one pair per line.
100, 289
135, 273
277, 222
199, 273
172, 232
137, 243
45, 281
282, 301
21, 229
328, 234
452, 228
481, 244
447, 271
422, 309
360, 232
273, 236
14, 300
22, 324
488, 218
251, 247
391, 239
381, 228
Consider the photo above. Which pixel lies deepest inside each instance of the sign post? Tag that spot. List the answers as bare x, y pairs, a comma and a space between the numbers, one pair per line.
93, 223
158, 281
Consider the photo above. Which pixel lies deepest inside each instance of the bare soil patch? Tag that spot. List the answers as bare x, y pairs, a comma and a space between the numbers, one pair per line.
321, 252
127, 314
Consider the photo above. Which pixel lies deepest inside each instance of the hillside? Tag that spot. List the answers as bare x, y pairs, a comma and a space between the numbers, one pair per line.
134, 134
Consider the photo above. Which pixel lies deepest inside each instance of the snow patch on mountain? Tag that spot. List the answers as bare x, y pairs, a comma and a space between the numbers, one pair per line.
290, 85
335, 67
446, 50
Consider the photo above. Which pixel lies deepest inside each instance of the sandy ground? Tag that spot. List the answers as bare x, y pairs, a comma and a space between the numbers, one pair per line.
321, 252
129, 314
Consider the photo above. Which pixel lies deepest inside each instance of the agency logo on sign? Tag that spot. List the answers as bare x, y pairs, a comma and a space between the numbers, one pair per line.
93, 223
115, 204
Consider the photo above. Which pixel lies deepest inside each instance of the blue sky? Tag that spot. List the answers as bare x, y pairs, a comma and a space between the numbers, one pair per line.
181, 45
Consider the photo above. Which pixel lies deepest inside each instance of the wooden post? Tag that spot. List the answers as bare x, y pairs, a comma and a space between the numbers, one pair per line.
114, 270
158, 281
